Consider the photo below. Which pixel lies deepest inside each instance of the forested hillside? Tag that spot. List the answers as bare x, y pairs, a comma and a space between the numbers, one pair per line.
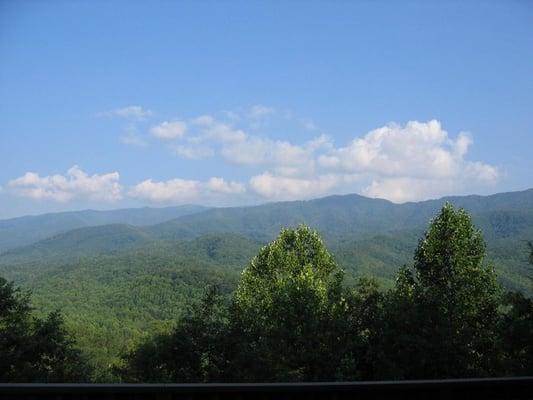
141, 316
119, 283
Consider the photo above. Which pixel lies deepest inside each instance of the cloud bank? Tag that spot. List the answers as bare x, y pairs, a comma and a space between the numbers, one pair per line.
184, 190
418, 160
75, 184
414, 161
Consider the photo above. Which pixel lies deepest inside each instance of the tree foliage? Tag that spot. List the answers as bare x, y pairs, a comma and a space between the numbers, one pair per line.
193, 352
33, 349
452, 299
287, 302
293, 318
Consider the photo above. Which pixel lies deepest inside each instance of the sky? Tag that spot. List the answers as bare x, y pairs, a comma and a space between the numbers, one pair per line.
112, 104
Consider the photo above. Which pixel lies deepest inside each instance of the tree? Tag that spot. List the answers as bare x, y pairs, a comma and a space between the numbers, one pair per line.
192, 352
33, 349
530, 245
357, 324
517, 331
517, 335
451, 302
286, 311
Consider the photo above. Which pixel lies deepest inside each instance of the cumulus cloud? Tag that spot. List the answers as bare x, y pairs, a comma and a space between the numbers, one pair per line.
169, 130
184, 190
176, 190
418, 149
216, 132
401, 163
481, 172
408, 189
76, 184
212, 137
398, 162
129, 112
288, 188
219, 185
414, 161
259, 151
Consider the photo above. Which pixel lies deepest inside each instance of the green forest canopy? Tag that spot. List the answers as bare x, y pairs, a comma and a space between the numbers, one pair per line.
291, 318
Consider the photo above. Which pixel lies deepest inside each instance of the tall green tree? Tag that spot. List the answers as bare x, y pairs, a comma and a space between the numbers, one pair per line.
33, 349
451, 304
286, 311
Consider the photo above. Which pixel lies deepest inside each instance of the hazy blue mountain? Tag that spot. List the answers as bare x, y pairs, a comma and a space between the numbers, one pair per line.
339, 219
368, 236
336, 217
21, 231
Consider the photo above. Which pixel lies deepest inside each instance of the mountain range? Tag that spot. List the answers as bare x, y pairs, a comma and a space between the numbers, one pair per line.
119, 275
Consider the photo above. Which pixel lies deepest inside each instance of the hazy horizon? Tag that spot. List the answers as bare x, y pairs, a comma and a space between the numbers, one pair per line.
156, 206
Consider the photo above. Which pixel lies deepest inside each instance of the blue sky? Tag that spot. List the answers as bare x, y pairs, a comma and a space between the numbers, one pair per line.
127, 103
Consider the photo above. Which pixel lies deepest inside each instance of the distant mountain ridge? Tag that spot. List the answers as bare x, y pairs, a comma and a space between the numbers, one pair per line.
20, 231
334, 216
384, 233
337, 218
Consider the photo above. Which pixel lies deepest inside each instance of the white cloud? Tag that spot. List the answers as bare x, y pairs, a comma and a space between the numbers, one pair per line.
209, 136
129, 112
219, 185
175, 190
286, 188
194, 152
278, 155
414, 161
258, 151
418, 149
400, 163
400, 190
482, 172
185, 190
462, 143
76, 184
169, 130
224, 133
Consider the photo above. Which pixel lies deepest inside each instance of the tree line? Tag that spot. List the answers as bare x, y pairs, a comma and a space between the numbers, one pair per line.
291, 318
